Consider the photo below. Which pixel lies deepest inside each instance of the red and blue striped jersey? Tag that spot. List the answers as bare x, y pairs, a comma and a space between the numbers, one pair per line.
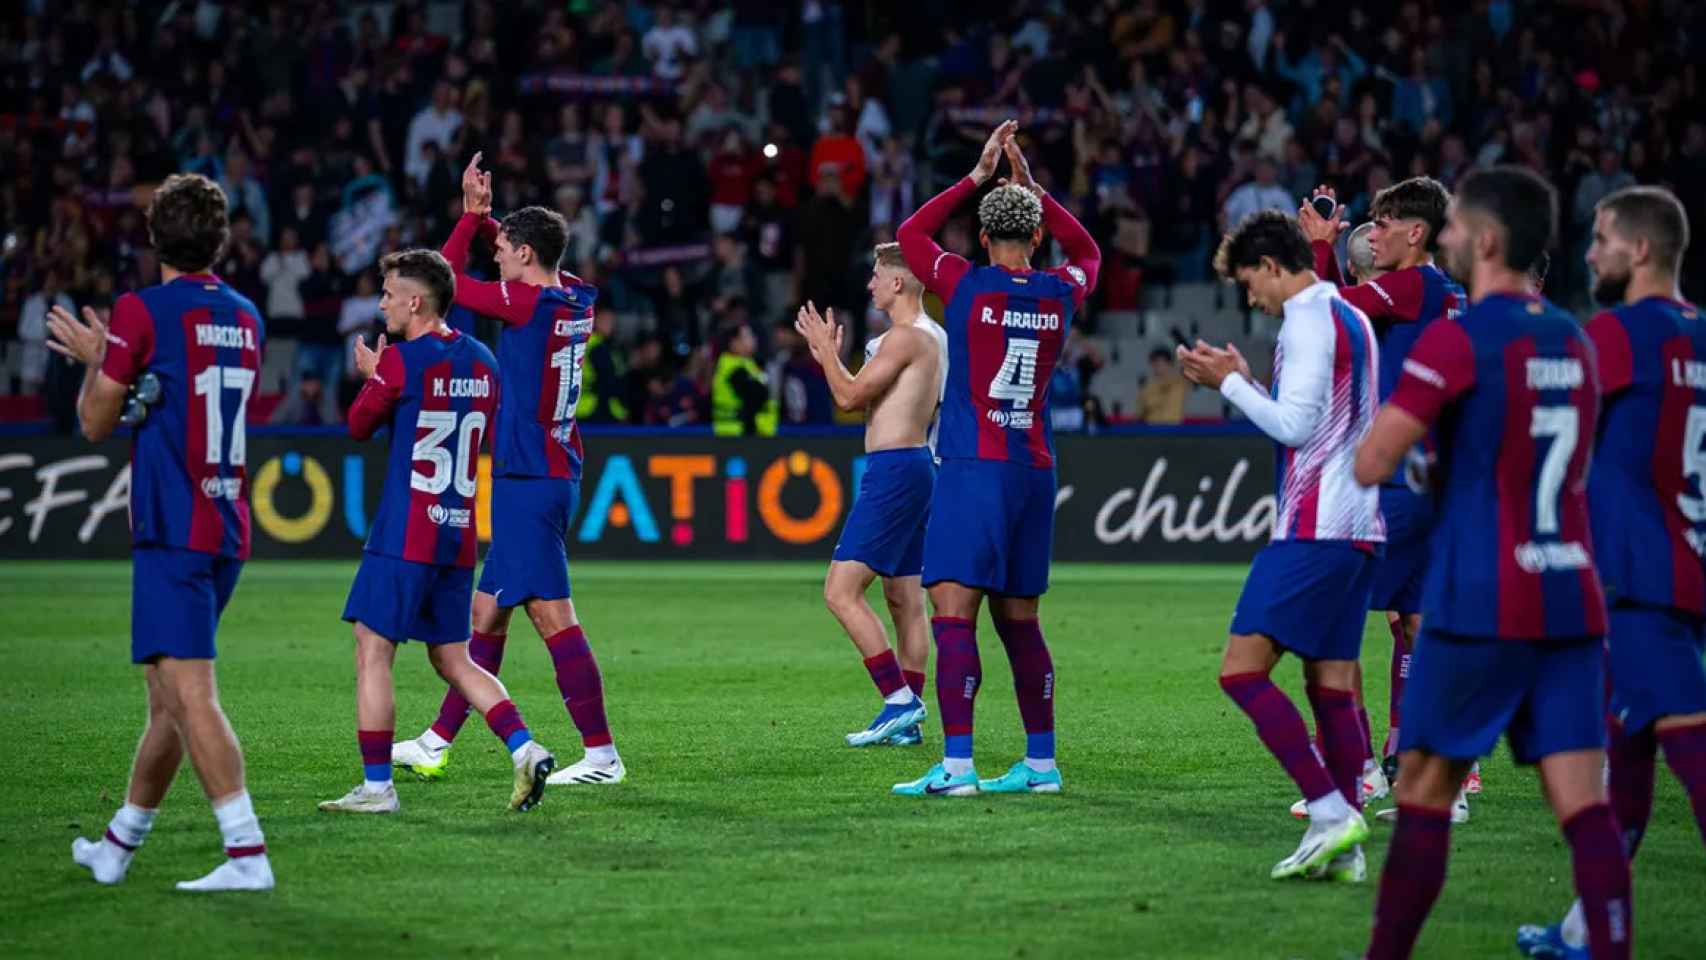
188, 463
438, 393
541, 350
1512, 389
1647, 495
1005, 332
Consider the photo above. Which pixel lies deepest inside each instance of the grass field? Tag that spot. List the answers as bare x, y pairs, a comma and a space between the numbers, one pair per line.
745, 826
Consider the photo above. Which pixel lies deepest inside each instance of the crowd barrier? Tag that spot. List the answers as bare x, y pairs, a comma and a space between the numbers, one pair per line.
1144, 498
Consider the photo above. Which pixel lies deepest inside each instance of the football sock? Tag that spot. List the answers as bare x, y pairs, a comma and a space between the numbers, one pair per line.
240, 828
375, 757
1411, 880
1630, 762
1400, 673
581, 685
1341, 734
1685, 751
1574, 929
1602, 881
1033, 682
1281, 730
885, 673
1367, 733
487, 651
958, 673
505, 721
914, 681
129, 827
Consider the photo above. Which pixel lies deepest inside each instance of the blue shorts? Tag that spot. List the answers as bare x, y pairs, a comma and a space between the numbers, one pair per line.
1656, 666
1548, 696
530, 524
885, 530
403, 600
991, 527
1399, 574
1308, 596
176, 597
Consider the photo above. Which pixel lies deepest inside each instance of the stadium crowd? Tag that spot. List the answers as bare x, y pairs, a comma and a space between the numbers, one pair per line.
720, 162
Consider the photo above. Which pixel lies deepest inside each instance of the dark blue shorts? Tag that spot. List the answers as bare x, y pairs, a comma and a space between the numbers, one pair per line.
1308, 596
530, 524
176, 597
1399, 574
1656, 666
991, 527
1548, 696
403, 600
885, 529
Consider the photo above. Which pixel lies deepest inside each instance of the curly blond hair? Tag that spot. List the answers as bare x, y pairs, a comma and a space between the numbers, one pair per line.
1010, 212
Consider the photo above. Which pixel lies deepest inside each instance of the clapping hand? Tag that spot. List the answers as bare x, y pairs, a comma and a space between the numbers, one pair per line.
1317, 227
823, 335
992, 151
84, 341
476, 188
1209, 365
367, 359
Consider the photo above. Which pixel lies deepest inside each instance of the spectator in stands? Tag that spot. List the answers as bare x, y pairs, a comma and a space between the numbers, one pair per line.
1261, 192
305, 215
32, 330
741, 405
1162, 398
827, 247
603, 384
768, 231
669, 44
800, 387
305, 404
645, 367
438, 122
569, 155
358, 318
838, 153
731, 173
676, 192
1421, 96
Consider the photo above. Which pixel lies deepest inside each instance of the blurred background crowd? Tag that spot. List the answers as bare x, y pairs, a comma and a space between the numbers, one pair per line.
719, 162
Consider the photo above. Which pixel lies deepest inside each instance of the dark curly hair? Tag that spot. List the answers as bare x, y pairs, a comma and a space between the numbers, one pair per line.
541, 228
188, 222
1269, 233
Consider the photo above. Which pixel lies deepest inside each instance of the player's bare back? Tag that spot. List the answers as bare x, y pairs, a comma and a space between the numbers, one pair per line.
901, 417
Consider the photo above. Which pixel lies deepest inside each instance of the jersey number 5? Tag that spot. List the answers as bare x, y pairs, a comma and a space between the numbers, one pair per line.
1017, 379
1563, 425
210, 386
1693, 466
439, 425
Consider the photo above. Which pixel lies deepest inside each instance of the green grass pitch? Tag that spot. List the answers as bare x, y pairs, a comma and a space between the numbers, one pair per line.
745, 827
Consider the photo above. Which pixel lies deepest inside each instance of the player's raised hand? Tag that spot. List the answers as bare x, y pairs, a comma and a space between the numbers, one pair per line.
84, 341
822, 336
367, 359
1021, 166
476, 188
992, 148
1314, 225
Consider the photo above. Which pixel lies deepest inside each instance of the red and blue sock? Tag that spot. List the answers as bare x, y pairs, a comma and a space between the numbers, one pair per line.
885, 673
915, 680
1602, 881
1033, 683
505, 721
1630, 761
581, 685
1343, 742
1281, 730
1411, 880
375, 755
1685, 752
487, 652
1400, 673
959, 672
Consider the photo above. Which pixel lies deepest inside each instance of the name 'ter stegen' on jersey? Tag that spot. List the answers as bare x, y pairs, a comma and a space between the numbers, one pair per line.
189, 474
438, 393
1647, 493
1513, 392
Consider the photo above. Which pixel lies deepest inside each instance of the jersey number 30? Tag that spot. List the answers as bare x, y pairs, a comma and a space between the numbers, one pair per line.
431, 449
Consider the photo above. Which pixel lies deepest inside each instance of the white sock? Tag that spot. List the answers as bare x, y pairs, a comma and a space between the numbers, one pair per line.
376, 786
238, 824
605, 755
956, 765
1574, 929
515, 754
900, 697
131, 825
432, 741
1329, 808
1040, 766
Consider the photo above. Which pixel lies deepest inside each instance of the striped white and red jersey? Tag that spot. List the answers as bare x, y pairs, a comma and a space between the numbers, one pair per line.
1323, 400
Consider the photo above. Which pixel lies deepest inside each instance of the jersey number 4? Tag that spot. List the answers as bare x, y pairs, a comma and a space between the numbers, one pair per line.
210, 386
431, 449
1017, 379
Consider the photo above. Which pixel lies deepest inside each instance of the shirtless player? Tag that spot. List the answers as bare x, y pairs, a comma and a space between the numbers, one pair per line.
901, 383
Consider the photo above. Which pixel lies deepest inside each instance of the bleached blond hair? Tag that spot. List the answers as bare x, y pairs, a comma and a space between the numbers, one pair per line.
889, 257
1010, 212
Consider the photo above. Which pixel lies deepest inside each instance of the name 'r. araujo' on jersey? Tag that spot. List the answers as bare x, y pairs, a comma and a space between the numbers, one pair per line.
541, 350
